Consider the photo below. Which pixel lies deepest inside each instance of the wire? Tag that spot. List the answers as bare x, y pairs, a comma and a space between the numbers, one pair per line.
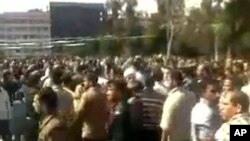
73, 40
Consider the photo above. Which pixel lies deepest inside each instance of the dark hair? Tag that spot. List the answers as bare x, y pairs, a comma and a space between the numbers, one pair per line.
66, 78
203, 85
33, 78
137, 86
49, 98
120, 85
238, 97
229, 70
79, 69
6, 74
18, 95
56, 75
240, 66
157, 75
177, 76
207, 70
149, 82
90, 76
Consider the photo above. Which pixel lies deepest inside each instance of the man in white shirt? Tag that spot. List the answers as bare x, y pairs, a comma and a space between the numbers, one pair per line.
246, 88
175, 122
204, 125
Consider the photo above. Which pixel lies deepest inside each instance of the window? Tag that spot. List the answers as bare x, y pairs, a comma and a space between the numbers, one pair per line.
45, 28
25, 37
9, 29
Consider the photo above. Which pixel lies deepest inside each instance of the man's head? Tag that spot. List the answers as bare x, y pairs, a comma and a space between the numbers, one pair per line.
238, 68
48, 100
56, 75
228, 72
203, 71
166, 76
90, 80
67, 79
115, 89
165, 73
228, 85
129, 75
209, 90
176, 78
149, 82
7, 76
233, 103
34, 79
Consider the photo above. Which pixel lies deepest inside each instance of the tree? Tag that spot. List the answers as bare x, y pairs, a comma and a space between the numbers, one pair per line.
172, 15
132, 28
232, 25
196, 32
124, 23
114, 8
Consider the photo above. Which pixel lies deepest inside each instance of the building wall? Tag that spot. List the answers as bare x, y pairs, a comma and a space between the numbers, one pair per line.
32, 26
24, 51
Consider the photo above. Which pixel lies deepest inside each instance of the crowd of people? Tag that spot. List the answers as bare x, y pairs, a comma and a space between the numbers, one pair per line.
58, 98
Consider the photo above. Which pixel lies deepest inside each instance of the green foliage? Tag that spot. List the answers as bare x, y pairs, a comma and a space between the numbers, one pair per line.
194, 34
245, 39
233, 26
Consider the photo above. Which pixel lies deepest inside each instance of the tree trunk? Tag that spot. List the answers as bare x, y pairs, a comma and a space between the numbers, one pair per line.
170, 40
216, 49
229, 57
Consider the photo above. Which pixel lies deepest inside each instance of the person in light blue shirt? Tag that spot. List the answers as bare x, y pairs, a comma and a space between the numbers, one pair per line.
205, 119
18, 122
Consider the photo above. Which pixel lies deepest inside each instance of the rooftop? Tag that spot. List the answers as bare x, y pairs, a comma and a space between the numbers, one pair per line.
79, 4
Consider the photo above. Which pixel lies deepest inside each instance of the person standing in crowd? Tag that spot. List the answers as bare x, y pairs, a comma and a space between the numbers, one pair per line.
65, 99
205, 125
158, 86
46, 79
51, 128
118, 125
203, 73
239, 77
246, 88
176, 117
67, 83
189, 82
5, 115
30, 96
9, 84
166, 79
228, 85
152, 110
77, 77
228, 73
93, 110
233, 107
79, 90
135, 109
18, 122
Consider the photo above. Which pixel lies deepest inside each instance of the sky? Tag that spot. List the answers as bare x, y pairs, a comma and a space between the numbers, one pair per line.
24, 5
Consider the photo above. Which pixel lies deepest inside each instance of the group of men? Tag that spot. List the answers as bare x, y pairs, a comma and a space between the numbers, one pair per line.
157, 102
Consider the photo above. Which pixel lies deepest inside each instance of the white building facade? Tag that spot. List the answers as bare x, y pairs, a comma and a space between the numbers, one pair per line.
32, 27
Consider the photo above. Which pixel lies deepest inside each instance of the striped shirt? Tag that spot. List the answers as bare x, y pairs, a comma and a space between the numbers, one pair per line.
223, 134
152, 109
